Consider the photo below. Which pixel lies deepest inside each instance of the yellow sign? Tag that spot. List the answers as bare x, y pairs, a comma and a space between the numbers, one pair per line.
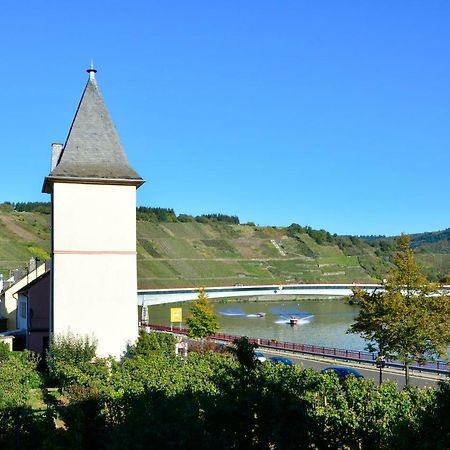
176, 314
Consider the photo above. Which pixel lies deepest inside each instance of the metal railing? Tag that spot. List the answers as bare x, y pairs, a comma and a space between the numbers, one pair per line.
441, 367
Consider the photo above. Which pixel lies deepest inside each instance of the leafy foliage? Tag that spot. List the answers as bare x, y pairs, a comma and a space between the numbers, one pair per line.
149, 214
70, 359
156, 214
445, 279
205, 218
149, 343
5, 352
320, 236
18, 375
186, 218
202, 321
244, 351
408, 319
433, 425
153, 399
19, 379
40, 207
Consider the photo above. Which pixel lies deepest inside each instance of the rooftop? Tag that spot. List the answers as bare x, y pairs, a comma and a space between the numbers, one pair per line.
93, 152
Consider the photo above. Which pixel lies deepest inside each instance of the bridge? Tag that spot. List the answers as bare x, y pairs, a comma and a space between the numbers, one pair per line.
147, 297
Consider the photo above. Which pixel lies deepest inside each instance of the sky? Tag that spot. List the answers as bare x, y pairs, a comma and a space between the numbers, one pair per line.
331, 114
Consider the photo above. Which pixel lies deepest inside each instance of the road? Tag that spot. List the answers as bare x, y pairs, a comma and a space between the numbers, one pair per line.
370, 372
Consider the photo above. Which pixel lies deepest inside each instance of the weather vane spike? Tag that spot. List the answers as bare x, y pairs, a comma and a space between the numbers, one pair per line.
91, 71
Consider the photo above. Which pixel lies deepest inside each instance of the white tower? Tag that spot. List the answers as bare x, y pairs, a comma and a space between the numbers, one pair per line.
93, 188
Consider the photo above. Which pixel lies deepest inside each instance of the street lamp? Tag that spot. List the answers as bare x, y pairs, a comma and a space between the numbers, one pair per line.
381, 362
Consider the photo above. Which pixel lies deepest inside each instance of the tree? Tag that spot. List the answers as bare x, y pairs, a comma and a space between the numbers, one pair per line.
202, 321
409, 318
244, 350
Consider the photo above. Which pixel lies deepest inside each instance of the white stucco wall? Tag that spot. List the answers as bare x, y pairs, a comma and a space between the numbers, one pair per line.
91, 217
95, 280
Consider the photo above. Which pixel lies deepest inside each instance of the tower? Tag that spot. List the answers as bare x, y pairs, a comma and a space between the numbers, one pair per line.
93, 192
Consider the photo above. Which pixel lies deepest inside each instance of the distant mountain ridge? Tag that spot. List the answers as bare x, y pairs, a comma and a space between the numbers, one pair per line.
417, 239
215, 249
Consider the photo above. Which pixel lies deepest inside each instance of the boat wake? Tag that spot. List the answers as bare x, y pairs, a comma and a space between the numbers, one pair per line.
292, 316
238, 312
295, 320
232, 312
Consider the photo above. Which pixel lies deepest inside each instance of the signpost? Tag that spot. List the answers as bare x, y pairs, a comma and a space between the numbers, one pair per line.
181, 346
176, 315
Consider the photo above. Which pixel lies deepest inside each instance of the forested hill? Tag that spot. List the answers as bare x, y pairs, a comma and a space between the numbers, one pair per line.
215, 249
439, 240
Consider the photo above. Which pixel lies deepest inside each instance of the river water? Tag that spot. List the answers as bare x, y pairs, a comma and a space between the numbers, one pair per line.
327, 325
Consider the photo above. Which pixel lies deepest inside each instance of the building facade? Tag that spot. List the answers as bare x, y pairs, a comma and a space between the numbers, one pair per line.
93, 191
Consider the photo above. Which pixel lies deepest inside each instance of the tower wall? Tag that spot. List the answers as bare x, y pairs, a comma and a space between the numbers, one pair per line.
94, 263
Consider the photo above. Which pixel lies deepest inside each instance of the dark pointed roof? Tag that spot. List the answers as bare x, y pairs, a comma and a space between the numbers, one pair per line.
92, 152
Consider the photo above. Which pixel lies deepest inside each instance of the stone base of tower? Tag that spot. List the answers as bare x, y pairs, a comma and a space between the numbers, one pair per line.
92, 299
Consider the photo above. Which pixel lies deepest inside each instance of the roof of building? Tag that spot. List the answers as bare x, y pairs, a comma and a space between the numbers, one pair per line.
28, 277
92, 152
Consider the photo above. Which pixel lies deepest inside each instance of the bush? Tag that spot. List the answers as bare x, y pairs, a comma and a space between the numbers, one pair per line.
5, 352
18, 374
69, 357
185, 218
153, 342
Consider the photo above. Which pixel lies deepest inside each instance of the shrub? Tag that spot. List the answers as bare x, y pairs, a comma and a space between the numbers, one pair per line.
69, 358
5, 352
153, 342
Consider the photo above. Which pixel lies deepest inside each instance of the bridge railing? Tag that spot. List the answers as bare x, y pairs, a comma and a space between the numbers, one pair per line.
441, 367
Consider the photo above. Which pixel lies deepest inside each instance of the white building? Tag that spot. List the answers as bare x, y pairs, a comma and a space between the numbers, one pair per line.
93, 191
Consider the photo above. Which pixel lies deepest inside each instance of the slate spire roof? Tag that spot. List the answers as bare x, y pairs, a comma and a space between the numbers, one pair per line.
92, 152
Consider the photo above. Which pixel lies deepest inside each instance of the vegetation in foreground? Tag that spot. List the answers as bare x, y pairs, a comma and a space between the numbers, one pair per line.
409, 318
153, 399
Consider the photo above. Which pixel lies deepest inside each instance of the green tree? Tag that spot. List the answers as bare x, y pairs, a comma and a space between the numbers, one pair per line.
202, 321
408, 318
244, 350
445, 279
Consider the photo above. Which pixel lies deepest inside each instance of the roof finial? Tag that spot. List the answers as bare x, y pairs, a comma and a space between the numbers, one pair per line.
91, 71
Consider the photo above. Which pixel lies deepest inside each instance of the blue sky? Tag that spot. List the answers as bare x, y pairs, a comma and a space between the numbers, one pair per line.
332, 114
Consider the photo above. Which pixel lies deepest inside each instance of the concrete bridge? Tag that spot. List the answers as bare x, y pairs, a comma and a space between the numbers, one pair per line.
160, 296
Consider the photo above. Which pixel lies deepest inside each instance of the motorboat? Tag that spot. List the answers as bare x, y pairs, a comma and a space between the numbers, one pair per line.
293, 320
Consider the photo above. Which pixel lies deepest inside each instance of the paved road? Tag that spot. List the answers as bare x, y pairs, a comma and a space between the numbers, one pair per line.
368, 371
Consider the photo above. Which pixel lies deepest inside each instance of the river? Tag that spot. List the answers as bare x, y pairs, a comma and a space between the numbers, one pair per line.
327, 326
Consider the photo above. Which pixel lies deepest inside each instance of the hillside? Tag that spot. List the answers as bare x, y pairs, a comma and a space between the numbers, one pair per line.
432, 251
191, 253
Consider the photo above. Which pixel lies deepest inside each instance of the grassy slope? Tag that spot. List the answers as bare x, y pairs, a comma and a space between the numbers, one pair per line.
194, 254
22, 236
